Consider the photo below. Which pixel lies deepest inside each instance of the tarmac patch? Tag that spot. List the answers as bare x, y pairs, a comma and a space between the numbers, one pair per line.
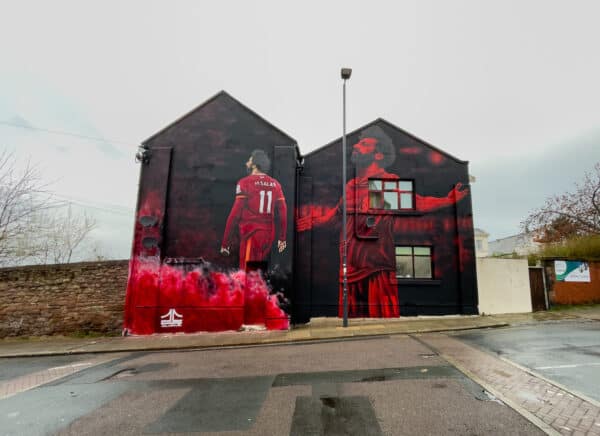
214, 405
352, 416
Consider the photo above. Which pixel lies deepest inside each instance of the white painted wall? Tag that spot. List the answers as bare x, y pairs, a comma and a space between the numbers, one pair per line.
503, 285
481, 245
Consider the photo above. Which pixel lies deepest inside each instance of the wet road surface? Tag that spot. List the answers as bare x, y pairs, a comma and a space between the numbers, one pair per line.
392, 385
566, 352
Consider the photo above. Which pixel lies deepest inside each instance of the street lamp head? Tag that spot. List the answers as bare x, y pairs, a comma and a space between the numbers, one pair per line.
346, 73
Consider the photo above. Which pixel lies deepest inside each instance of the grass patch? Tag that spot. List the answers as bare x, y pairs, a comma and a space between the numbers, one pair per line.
581, 248
83, 334
567, 307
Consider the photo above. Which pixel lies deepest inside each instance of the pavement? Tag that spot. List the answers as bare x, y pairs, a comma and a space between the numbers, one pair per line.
317, 329
553, 408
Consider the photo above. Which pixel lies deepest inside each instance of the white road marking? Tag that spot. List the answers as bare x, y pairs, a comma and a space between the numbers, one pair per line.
73, 365
577, 365
11, 387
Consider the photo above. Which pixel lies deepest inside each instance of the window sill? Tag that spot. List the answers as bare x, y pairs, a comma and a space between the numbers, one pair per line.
418, 282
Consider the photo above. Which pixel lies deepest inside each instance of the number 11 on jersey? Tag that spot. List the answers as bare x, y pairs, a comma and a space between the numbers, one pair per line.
261, 207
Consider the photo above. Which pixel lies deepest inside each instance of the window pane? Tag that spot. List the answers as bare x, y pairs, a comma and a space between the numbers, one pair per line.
375, 185
404, 266
406, 186
390, 185
406, 201
422, 267
390, 200
422, 251
404, 250
375, 200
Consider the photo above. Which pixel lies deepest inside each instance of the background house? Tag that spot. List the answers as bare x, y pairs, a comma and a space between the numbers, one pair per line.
522, 244
481, 243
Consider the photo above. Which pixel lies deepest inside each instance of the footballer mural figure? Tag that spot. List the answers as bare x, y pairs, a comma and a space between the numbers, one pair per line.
371, 264
257, 198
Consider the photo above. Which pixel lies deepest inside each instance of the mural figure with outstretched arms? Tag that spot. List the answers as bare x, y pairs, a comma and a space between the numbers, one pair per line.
371, 262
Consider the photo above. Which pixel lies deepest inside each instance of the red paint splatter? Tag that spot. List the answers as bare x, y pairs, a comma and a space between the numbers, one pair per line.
410, 150
436, 158
207, 300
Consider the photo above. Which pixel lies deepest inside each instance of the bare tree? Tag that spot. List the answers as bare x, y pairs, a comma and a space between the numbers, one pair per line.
570, 214
63, 231
22, 195
95, 252
35, 228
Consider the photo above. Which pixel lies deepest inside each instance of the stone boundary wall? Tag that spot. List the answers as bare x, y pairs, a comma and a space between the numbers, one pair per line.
573, 292
63, 299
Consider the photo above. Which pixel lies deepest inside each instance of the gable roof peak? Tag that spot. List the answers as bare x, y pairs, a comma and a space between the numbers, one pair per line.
393, 126
222, 93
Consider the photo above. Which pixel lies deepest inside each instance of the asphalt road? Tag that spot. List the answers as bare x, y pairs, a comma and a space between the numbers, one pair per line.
18, 366
385, 386
567, 352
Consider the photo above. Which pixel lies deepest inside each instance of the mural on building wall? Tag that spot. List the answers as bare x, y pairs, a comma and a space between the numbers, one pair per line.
214, 249
211, 247
389, 227
257, 197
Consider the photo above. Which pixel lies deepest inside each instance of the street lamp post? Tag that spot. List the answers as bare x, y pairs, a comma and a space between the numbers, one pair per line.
346, 73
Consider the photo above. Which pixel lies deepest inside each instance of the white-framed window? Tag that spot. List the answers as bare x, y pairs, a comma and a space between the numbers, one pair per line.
391, 194
414, 262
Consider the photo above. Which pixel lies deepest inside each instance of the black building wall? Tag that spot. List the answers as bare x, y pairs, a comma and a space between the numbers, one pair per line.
210, 147
448, 229
188, 187
180, 279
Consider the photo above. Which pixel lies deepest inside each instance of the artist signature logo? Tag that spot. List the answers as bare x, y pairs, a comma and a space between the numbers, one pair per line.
171, 319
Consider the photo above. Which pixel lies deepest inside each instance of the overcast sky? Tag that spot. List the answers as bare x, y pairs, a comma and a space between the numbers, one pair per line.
511, 86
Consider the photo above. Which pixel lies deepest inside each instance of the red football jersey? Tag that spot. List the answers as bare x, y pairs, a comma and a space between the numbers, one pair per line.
257, 196
261, 193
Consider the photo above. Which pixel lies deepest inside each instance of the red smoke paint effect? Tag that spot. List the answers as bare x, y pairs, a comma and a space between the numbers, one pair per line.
208, 300
149, 206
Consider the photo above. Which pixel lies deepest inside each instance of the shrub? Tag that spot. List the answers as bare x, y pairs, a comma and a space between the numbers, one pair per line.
579, 248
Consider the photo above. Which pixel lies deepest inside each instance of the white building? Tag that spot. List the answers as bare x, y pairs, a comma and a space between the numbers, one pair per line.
521, 244
481, 243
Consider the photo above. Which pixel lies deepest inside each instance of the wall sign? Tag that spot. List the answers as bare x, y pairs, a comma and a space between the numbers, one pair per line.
571, 271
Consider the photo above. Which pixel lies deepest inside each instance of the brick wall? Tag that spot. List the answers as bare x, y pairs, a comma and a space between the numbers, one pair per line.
573, 292
63, 299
